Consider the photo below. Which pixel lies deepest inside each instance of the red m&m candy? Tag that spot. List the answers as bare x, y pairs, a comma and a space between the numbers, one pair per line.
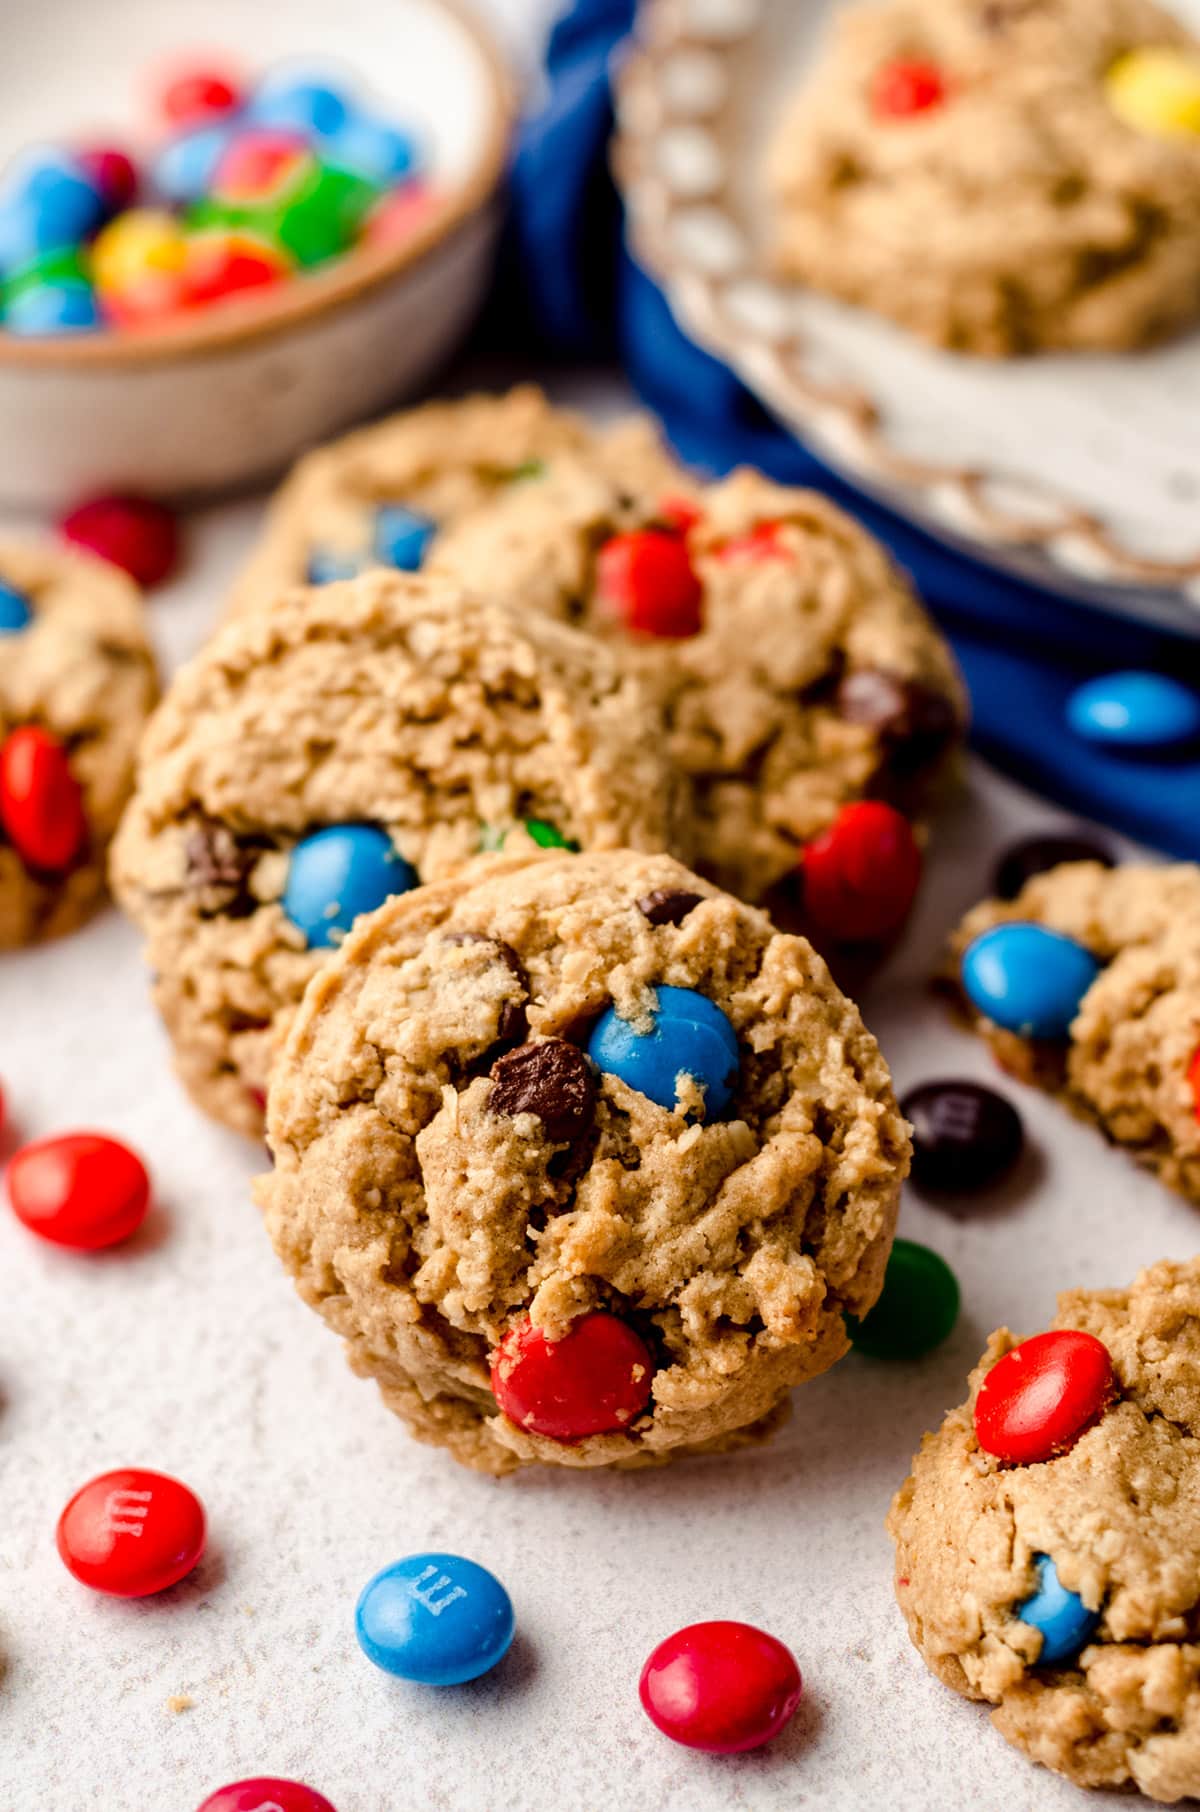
196, 96
111, 172
1194, 1079
907, 87
1036, 1402
765, 542
225, 264
861, 875
134, 533
721, 1687
41, 805
131, 1532
82, 1190
265, 1794
594, 1380
647, 579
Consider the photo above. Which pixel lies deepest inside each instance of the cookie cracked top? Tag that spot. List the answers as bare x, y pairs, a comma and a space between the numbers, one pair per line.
454, 1157
999, 176
348, 743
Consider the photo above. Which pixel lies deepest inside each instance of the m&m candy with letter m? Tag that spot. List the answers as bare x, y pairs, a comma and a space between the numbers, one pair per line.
131, 1533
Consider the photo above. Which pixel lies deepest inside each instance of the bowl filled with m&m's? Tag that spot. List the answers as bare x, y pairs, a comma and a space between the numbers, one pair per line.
226, 232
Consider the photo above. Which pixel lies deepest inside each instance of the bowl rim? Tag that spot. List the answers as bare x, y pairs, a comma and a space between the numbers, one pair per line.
240, 320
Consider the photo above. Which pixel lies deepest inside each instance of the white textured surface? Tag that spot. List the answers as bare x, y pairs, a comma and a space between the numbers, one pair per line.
188, 1351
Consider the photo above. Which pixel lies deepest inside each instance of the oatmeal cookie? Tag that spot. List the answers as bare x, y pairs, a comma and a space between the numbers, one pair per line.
999, 176
380, 496
339, 747
1129, 1060
583, 1159
795, 667
1048, 1538
77, 683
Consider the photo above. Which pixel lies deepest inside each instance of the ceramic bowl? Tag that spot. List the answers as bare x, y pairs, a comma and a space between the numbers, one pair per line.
228, 395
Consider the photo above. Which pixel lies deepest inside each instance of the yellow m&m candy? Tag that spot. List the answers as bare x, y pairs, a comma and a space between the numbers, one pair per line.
1157, 90
138, 266
139, 243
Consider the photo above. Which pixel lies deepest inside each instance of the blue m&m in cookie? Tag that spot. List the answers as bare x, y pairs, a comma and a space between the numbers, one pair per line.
15, 611
336, 875
687, 1037
1059, 1615
435, 1618
402, 537
1027, 978
1136, 711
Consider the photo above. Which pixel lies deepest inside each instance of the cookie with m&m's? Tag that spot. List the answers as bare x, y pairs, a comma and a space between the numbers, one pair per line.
384, 494
999, 177
342, 746
808, 696
77, 683
1087, 982
1048, 1537
606, 1159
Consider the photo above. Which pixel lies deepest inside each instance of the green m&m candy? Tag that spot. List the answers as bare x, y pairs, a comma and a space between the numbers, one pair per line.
323, 214
917, 1307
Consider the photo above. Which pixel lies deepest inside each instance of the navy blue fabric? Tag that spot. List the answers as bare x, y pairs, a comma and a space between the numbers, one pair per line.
571, 290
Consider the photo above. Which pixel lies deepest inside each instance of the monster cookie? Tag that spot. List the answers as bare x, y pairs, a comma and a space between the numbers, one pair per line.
1048, 1538
337, 748
379, 496
77, 682
793, 663
999, 176
1088, 983
583, 1159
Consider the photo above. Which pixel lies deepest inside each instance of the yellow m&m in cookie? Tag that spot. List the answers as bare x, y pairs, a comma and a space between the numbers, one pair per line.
1157, 90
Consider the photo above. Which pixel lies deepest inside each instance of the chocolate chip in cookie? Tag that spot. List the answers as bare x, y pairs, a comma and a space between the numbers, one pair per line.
215, 859
666, 908
551, 1079
915, 722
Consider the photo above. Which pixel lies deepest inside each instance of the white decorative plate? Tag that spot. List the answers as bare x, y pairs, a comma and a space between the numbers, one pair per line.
1082, 472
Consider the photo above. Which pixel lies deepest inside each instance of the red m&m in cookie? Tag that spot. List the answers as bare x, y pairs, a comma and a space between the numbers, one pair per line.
722, 1687
906, 87
595, 1380
861, 875
647, 580
131, 1533
1036, 1402
41, 805
1194, 1080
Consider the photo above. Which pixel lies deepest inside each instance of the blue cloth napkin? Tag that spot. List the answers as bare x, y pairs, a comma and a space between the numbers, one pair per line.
570, 289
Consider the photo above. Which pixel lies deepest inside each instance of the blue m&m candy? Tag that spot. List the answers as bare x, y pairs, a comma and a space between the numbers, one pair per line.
371, 148
47, 202
336, 875
325, 567
1028, 979
1064, 1620
297, 104
184, 169
1135, 711
689, 1037
15, 611
52, 308
436, 1618
402, 536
